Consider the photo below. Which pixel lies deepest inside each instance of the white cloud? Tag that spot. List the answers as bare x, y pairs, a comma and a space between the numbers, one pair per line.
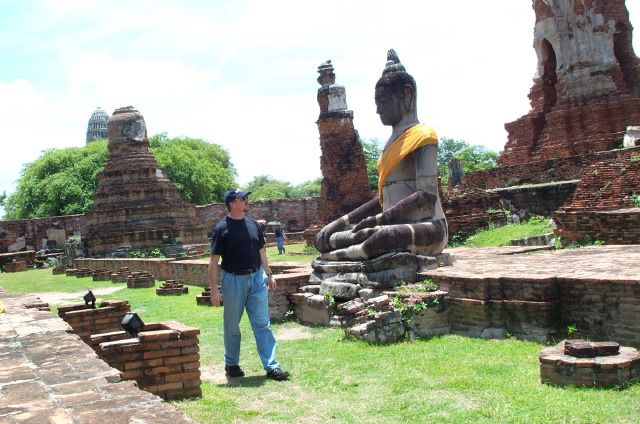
113, 80
17, 97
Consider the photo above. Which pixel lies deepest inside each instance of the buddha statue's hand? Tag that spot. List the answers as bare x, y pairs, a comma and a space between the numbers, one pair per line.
322, 238
369, 222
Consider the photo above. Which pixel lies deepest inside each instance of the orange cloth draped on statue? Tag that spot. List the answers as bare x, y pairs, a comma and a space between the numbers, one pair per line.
410, 140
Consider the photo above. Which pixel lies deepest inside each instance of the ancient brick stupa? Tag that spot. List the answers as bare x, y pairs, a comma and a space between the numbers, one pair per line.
135, 204
344, 171
587, 85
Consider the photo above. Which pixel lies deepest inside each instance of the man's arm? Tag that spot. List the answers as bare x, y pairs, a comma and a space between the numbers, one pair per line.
271, 282
213, 280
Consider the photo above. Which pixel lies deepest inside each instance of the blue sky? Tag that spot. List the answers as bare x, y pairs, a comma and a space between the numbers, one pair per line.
242, 73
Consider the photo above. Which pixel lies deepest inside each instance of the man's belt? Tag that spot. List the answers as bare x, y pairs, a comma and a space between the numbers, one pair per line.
243, 272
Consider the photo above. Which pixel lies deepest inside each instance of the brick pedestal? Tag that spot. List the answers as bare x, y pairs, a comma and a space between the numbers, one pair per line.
163, 360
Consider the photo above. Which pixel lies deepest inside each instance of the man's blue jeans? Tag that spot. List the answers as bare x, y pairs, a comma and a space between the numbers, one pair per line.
240, 292
280, 244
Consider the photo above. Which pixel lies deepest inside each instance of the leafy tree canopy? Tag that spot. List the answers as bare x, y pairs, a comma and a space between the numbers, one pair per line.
60, 182
267, 187
371, 149
472, 157
63, 181
202, 171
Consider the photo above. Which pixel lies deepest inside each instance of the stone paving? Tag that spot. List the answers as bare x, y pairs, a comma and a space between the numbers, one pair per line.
608, 262
48, 375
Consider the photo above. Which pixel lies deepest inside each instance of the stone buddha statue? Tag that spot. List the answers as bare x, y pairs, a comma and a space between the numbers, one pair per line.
407, 215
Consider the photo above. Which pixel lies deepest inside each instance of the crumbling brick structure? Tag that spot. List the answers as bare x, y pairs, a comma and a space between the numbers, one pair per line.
86, 321
344, 171
587, 85
604, 206
135, 203
164, 359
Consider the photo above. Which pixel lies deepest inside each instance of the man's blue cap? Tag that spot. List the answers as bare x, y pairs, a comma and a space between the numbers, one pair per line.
234, 194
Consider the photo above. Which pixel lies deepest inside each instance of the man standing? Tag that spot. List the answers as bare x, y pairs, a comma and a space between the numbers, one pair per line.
246, 280
280, 238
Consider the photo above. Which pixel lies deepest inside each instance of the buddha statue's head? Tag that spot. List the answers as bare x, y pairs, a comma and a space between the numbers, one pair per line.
395, 94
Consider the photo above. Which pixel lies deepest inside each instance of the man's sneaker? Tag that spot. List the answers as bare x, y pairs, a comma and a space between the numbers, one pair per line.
277, 374
233, 371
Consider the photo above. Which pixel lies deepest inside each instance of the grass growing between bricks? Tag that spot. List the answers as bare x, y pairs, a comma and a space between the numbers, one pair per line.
445, 379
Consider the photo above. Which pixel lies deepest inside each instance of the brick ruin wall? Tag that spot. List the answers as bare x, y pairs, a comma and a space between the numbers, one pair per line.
28, 234
294, 214
542, 308
539, 172
602, 206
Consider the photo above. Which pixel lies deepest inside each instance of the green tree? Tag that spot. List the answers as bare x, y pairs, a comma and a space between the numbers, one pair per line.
447, 148
60, 182
267, 187
201, 170
477, 158
309, 188
63, 181
371, 149
472, 157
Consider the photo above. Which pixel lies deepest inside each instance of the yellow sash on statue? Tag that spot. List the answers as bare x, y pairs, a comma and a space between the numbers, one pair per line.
410, 140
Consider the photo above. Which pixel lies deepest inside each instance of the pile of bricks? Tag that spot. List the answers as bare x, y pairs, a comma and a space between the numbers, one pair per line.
86, 321
140, 279
16, 266
204, 298
388, 317
79, 272
101, 275
172, 288
59, 270
164, 359
120, 276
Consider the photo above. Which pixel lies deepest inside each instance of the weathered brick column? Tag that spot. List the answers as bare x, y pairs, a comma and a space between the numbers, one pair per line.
163, 359
86, 321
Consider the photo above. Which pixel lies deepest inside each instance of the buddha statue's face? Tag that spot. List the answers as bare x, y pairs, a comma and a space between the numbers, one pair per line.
389, 106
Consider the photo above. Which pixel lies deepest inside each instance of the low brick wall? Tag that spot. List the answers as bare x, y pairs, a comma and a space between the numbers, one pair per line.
86, 321
158, 267
620, 226
164, 359
542, 308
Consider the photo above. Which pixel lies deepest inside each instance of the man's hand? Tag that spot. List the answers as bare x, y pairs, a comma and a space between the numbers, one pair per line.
271, 283
216, 297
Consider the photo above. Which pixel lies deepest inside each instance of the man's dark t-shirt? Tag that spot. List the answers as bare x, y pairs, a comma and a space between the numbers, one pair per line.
238, 242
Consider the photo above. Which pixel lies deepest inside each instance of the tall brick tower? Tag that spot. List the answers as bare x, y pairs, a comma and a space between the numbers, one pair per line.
344, 171
587, 84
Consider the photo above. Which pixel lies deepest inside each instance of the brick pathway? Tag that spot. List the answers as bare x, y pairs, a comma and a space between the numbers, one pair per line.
50, 376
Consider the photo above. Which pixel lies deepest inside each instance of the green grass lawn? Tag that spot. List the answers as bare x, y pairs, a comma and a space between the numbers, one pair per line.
295, 252
447, 379
502, 236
